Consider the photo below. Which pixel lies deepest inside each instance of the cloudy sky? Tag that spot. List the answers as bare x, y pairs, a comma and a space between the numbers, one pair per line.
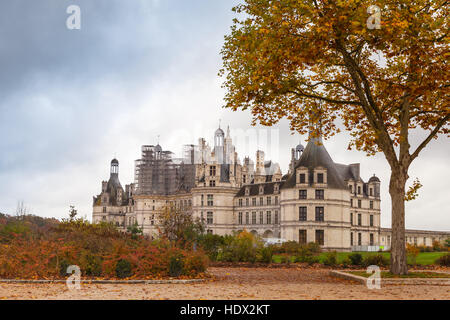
71, 100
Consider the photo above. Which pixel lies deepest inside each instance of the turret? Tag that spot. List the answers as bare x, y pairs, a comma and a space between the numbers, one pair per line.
219, 136
114, 168
374, 183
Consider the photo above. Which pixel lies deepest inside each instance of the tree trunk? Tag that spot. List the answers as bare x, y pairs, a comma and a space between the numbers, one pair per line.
398, 243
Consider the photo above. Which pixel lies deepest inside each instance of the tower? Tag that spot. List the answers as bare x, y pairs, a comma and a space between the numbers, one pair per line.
229, 148
260, 172
374, 182
298, 151
259, 162
219, 136
114, 168
295, 156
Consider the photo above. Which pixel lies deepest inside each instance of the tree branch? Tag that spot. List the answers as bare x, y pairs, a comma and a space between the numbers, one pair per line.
373, 114
314, 96
330, 82
433, 133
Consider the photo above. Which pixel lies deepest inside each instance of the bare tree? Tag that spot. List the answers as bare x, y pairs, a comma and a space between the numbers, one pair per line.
21, 210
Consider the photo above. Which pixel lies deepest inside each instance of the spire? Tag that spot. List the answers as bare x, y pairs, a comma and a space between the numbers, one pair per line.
228, 131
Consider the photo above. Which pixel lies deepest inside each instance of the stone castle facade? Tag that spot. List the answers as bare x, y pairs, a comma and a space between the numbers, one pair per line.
318, 200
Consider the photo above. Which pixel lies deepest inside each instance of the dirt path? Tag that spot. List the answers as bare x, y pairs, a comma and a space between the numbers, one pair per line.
233, 283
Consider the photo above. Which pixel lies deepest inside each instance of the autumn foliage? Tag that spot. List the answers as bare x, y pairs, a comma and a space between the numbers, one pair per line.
98, 249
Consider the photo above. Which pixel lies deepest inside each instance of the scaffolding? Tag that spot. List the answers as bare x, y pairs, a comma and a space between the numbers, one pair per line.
159, 173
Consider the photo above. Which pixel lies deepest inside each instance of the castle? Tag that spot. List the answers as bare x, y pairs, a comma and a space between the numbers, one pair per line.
318, 200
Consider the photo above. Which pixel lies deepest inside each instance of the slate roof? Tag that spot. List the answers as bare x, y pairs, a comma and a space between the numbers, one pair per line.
316, 155
346, 172
254, 188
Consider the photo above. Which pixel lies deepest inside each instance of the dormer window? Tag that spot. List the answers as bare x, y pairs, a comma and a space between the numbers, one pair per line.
302, 178
320, 175
276, 188
247, 191
261, 189
302, 175
320, 178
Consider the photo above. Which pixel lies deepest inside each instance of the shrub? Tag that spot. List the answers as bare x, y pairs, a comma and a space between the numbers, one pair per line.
346, 262
443, 260
412, 252
63, 265
98, 249
425, 249
330, 258
289, 247
355, 259
211, 244
311, 260
308, 253
307, 258
195, 263
242, 247
285, 259
437, 246
90, 264
176, 265
313, 248
375, 259
123, 269
264, 254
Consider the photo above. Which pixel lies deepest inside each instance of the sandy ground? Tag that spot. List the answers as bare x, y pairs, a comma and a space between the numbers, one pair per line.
233, 283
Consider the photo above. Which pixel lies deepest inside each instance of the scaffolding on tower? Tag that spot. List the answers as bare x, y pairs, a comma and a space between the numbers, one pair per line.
159, 173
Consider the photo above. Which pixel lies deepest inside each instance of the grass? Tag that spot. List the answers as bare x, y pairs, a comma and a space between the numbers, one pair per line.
424, 258
386, 274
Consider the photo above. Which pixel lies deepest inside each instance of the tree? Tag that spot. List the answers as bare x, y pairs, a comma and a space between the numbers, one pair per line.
320, 61
72, 213
177, 224
135, 230
21, 210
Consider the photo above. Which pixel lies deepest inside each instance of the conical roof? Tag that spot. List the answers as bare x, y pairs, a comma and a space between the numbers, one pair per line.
315, 155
